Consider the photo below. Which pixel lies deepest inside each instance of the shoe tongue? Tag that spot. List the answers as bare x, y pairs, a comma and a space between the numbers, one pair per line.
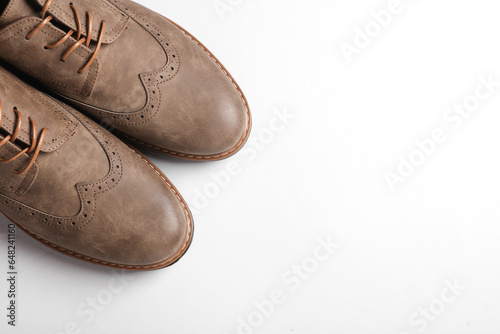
16, 9
43, 110
60, 10
116, 20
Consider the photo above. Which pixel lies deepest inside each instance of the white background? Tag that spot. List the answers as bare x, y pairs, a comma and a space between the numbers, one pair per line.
319, 175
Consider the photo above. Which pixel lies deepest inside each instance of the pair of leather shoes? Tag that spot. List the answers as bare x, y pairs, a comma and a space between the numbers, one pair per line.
67, 181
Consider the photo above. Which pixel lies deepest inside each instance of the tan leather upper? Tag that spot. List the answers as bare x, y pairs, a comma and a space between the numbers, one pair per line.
87, 194
150, 80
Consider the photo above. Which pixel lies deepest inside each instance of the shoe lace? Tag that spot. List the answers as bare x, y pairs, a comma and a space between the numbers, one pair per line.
79, 39
36, 143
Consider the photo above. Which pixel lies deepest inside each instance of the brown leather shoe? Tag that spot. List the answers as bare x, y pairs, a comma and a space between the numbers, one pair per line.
131, 68
72, 185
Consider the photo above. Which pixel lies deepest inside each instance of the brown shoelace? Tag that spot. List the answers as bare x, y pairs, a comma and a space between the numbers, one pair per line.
36, 143
79, 39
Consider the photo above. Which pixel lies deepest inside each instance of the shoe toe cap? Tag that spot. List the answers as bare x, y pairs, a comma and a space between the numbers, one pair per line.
200, 118
142, 223
202, 112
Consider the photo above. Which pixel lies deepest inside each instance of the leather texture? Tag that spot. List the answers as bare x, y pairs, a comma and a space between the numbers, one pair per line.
151, 80
88, 194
